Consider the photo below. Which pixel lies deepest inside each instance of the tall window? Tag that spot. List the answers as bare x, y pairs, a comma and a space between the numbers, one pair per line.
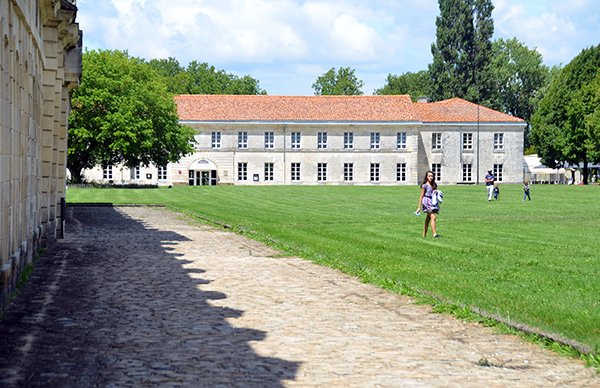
242, 171
295, 140
401, 140
321, 172
242, 139
467, 170
467, 141
107, 172
135, 173
374, 172
498, 141
436, 141
348, 140
436, 168
215, 140
268, 171
322, 140
498, 172
375, 140
162, 173
401, 172
269, 139
295, 172
348, 172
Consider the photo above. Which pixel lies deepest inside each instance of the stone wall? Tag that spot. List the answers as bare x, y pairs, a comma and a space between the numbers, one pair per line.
40, 62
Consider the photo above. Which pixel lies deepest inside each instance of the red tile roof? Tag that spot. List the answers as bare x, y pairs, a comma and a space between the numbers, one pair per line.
207, 107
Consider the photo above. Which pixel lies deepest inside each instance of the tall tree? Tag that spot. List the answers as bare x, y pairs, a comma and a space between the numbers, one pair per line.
520, 75
122, 113
342, 82
174, 74
414, 84
461, 54
565, 127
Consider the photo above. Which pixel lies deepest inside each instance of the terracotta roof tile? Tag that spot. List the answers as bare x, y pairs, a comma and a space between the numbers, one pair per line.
207, 107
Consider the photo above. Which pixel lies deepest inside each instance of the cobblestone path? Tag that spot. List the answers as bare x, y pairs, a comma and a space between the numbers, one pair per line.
142, 297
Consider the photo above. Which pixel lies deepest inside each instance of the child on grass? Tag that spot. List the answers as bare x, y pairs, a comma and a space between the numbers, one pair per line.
526, 190
496, 191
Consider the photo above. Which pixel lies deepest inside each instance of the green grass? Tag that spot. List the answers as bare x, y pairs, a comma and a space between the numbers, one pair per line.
536, 262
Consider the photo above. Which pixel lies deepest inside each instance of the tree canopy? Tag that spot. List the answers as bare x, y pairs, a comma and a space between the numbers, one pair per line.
461, 54
566, 127
122, 113
201, 78
413, 84
342, 82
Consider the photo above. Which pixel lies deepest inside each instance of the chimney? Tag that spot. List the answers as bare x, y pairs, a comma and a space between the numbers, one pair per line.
423, 99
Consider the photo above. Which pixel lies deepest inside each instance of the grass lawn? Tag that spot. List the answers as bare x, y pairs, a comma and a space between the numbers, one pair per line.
535, 262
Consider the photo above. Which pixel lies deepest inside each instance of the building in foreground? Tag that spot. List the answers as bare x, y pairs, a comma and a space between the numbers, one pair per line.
40, 62
337, 140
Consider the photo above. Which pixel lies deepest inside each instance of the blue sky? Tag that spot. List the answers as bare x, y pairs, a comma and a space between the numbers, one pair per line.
287, 44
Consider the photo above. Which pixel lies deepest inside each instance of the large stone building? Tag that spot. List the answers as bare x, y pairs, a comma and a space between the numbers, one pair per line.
362, 140
40, 62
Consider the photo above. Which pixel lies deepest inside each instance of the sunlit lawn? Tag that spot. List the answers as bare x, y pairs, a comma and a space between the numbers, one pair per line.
536, 262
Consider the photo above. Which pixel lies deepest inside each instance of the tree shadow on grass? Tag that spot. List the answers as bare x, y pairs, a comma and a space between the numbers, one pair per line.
111, 306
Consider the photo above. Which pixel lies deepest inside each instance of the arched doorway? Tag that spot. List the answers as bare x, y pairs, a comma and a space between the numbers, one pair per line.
203, 173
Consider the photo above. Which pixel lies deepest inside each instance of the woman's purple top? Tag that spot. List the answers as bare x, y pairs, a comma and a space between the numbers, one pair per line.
427, 204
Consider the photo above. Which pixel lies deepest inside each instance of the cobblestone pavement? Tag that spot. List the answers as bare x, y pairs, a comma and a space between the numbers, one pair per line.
141, 297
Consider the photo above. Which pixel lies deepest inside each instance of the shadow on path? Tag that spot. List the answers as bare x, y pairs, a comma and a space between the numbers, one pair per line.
111, 306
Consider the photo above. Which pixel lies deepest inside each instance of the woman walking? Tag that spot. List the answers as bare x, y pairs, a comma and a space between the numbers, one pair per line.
428, 189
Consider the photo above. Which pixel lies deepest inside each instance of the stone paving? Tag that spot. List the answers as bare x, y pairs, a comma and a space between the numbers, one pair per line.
142, 297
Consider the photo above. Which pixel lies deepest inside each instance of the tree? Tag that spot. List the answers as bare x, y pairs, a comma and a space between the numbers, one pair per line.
414, 84
122, 113
461, 54
565, 127
520, 75
174, 74
342, 82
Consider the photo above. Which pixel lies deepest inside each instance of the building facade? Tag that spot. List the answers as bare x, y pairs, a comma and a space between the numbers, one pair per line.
40, 62
339, 140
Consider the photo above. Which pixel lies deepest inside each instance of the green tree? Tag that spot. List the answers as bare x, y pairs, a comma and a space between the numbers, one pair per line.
342, 82
175, 75
520, 75
122, 113
413, 84
461, 64
565, 126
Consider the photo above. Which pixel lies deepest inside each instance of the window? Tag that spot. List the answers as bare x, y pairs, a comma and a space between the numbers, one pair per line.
107, 172
436, 168
498, 172
467, 169
401, 172
242, 139
215, 140
401, 141
498, 141
348, 140
348, 172
467, 141
135, 173
321, 172
242, 171
268, 171
269, 139
374, 172
295, 140
295, 172
375, 140
436, 141
322, 140
162, 173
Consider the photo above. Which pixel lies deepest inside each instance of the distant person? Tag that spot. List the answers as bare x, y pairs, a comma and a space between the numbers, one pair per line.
428, 189
489, 184
526, 190
496, 191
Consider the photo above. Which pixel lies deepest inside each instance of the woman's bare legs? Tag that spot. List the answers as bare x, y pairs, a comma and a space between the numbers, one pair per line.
433, 224
426, 226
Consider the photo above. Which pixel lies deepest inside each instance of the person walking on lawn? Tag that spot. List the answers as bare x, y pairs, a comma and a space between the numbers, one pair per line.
428, 188
489, 184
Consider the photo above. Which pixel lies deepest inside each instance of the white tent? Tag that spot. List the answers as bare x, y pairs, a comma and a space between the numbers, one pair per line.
535, 172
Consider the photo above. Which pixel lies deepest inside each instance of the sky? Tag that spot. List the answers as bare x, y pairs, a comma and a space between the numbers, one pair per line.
287, 44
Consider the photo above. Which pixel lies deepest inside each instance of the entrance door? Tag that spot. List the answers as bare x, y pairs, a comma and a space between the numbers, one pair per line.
205, 178
213, 178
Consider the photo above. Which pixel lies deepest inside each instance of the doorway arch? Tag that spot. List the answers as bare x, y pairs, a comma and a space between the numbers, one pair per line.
202, 172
